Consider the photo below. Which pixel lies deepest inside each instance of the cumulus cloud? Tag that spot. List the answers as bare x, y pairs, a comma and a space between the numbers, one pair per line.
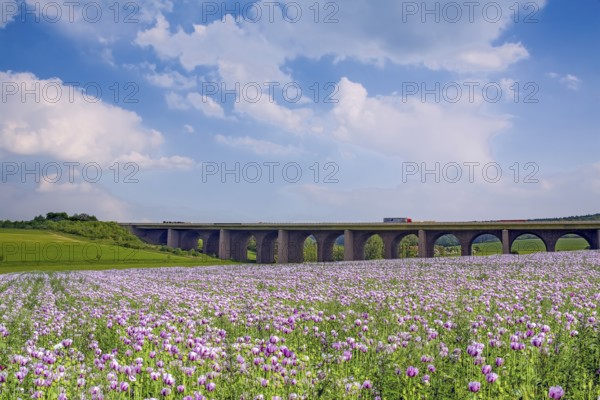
206, 105
169, 79
176, 101
413, 129
299, 121
373, 33
58, 122
239, 55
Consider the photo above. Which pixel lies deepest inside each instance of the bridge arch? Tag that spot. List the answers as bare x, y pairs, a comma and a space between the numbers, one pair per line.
520, 244
360, 240
402, 244
562, 242
489, 244
189, 240
448, 244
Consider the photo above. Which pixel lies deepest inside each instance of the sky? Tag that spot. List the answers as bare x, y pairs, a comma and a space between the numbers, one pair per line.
266, 111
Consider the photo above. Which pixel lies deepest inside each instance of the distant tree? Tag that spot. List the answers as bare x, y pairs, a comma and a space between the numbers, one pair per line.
53, 216
83, 217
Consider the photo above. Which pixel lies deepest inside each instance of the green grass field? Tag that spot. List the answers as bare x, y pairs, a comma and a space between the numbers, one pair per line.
38, 250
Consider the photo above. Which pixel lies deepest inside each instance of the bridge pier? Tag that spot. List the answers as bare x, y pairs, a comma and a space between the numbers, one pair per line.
505, 241
295, 248
424, 250
465, 249
349, 245
389, 251
283, 239
265, 247
325, 242
224, 244
358, 244
173, 238
551, 241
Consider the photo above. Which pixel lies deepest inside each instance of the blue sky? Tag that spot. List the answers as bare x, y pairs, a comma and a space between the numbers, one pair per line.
434, 110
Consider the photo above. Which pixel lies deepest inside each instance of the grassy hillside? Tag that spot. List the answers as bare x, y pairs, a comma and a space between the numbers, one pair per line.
44, 250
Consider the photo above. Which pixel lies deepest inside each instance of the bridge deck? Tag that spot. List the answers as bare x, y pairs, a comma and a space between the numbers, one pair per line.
384, 226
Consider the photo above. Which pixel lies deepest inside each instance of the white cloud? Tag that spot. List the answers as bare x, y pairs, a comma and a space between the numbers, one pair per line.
107, 56
240, 55
144, 162
487, 58
374, 33
206, 105
265, 110
188, 128
412, 129
64, 125
176, 101
570, 81
169, 79
257, 146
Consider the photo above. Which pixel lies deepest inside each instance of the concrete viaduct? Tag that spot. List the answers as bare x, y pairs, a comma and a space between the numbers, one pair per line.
229, 240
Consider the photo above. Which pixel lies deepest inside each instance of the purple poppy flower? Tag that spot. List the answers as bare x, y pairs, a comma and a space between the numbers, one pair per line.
556, 392
474, 386
412, 372
347, 355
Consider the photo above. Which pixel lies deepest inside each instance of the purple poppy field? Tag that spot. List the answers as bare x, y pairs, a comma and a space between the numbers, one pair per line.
497, 327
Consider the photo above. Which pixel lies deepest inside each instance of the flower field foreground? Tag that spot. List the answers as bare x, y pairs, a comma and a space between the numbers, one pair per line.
500, 327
